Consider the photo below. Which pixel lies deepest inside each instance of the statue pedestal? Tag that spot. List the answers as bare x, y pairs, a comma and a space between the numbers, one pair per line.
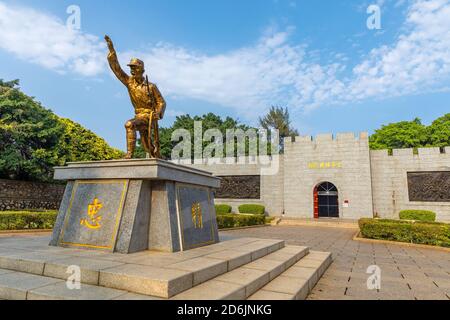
127, 206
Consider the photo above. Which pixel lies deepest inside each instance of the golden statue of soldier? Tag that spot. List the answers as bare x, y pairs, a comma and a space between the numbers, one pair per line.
148, 103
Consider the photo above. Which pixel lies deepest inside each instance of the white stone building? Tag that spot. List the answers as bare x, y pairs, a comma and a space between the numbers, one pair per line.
339, 176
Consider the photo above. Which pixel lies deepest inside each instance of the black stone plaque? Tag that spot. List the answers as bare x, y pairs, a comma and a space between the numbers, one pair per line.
429, 186
239, 187
197, 219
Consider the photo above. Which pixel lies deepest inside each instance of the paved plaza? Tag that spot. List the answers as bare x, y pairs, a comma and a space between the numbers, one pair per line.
407, 273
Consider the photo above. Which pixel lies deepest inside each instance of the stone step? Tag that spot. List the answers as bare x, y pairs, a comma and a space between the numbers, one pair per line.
178, 277
25, 286
148, 273
288, 273
242, 282
297, 282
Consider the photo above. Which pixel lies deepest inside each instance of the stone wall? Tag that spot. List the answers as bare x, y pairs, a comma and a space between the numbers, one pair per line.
390, 180
20, 195
271, 179
342, 160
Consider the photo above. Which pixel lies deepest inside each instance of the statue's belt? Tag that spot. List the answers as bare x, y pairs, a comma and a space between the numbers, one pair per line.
144, 112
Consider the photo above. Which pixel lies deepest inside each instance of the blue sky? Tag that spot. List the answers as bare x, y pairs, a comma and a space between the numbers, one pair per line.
236, 58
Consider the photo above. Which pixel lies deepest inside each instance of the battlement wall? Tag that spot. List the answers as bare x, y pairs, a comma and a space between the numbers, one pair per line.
390, 179
411, 154
344, 137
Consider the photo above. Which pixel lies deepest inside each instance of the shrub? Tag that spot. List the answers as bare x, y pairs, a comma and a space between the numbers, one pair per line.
430, 233
223, 209
418, 215
252, 209
225, 221
27, 220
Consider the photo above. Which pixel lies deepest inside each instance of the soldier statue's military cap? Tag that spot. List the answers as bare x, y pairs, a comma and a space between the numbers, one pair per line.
136, 62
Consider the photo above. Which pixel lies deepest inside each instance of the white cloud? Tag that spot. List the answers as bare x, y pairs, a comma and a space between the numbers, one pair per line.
45, 40
174, 113
273, 71
418, 62
249, 79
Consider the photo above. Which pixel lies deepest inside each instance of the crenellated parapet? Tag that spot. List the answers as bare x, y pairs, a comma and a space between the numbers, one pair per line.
327, 141
328, 138
412, 154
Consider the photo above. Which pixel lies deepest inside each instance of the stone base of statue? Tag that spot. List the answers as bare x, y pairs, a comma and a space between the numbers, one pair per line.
127, 206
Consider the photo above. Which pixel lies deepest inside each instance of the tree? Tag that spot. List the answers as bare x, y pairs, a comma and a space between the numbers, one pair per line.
33, 139
79, 144
29, 135
186, 122
404, 134
278, 118
439, 132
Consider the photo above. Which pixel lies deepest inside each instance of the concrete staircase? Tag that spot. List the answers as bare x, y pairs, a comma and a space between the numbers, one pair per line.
238, 269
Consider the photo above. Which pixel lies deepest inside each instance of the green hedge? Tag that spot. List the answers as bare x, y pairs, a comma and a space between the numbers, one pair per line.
418, 215
252, 208
27, 220
430, 233
225, 221
223, 209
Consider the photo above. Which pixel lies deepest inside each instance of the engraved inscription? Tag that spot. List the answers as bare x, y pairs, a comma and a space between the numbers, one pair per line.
197, 217
429, 186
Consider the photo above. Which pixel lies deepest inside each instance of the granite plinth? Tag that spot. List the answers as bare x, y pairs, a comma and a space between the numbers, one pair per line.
127, 206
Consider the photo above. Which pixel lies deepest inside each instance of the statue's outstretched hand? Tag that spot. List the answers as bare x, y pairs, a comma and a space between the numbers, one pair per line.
110, 43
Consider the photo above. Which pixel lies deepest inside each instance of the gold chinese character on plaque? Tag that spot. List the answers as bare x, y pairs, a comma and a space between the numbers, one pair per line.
197, 218
93, 220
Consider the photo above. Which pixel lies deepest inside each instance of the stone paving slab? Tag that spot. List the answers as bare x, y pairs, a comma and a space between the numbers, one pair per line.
203, 268
308, 274
249, 279
276, 263
213, 290
234, 258
90, 268
135, 296
147, 280
262, 295
59, 291
261, 248
28, 262
15, 285
298, 288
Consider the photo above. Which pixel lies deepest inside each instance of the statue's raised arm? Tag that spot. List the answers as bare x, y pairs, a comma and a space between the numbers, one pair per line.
114, 62
110, 44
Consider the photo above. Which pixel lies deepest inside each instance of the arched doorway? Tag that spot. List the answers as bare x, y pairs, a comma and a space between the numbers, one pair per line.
326, 201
